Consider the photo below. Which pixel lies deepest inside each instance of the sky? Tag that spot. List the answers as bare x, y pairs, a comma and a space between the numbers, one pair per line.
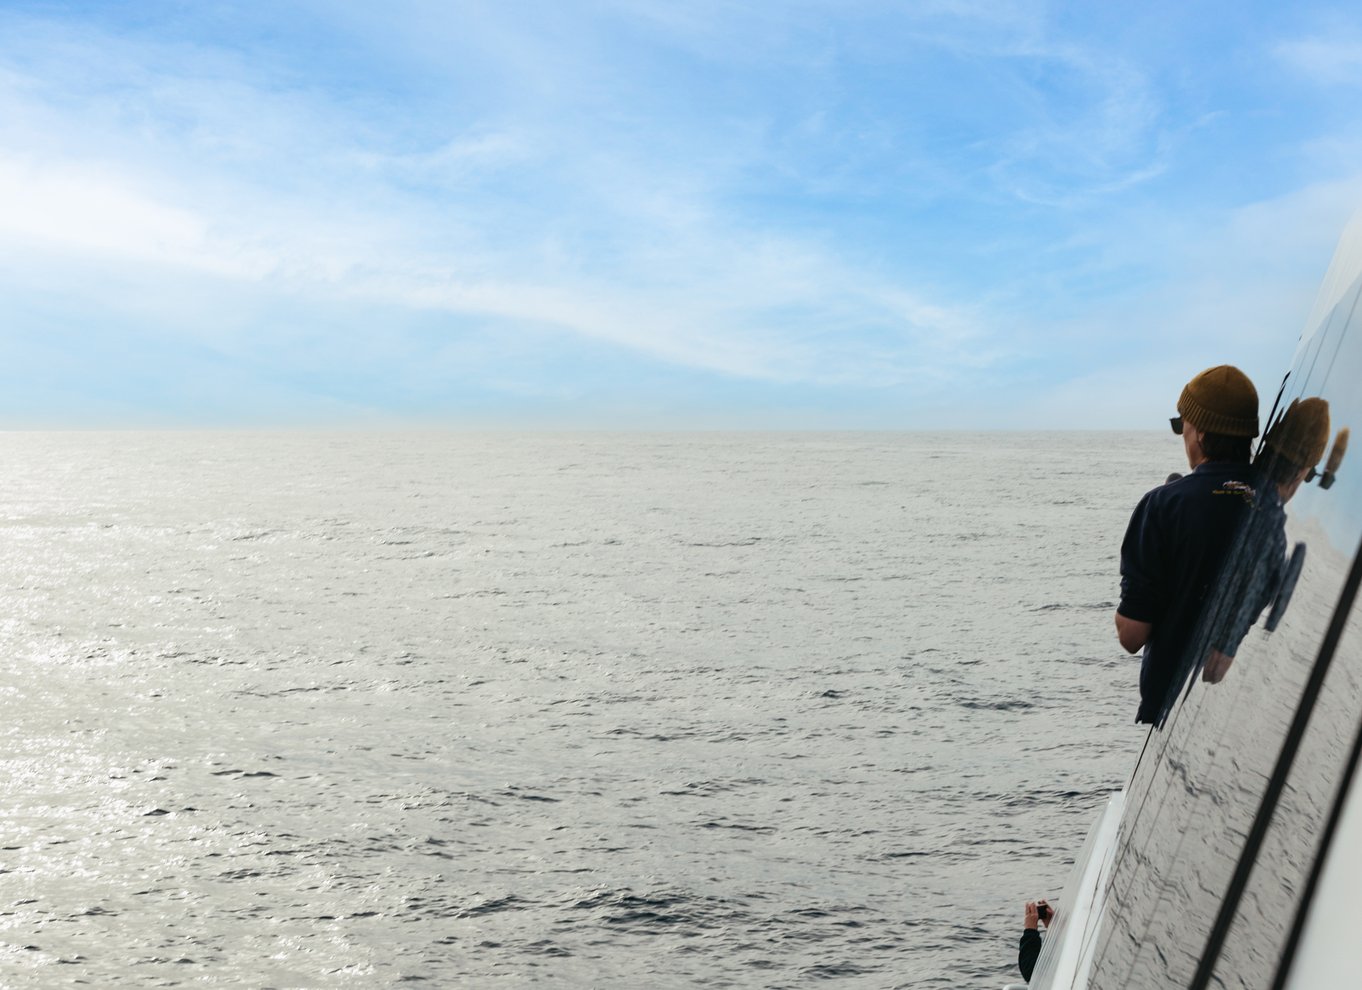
661, 214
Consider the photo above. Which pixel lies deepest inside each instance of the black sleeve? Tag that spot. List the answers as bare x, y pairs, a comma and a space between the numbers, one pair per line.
1027, 954
1142, 567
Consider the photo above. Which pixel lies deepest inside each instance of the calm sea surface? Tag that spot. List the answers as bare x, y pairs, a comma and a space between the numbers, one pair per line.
618, 711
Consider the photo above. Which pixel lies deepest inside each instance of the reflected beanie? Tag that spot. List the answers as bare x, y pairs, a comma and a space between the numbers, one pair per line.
1221, 400
1302, 433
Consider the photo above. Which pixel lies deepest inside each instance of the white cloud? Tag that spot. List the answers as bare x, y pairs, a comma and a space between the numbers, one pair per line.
82, 208
1335, 61
90, 210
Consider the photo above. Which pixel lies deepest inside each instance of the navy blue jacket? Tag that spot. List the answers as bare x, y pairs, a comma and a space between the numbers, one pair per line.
1178, 540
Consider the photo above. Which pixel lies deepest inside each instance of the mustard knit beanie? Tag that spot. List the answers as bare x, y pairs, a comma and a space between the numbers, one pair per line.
1302, 433
1221, 400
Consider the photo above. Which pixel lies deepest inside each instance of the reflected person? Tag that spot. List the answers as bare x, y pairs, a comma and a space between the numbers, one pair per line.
1182, 531
1291, 449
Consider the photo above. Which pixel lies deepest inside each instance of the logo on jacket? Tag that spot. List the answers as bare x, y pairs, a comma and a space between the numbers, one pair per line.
1241, 488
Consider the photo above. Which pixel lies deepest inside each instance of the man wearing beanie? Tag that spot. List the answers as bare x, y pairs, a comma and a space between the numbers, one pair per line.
1182, 532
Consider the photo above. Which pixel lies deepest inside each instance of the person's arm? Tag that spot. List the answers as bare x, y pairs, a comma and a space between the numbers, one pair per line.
1141, 586
1216, 667
1029, 950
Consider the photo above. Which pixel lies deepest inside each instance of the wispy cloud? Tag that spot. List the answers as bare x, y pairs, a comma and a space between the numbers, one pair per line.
1332, 60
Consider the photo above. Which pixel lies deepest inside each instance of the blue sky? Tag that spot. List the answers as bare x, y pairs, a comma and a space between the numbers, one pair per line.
683, 214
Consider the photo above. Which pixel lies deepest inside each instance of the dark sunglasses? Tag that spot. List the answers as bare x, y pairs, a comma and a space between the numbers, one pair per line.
1176, 423
1326, 478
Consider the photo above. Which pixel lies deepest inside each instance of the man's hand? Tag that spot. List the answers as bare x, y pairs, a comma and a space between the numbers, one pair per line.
1216, 667
1032, 917
1132, 633
1047, 915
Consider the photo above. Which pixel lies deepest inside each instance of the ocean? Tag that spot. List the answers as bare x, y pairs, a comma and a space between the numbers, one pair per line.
561, 710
